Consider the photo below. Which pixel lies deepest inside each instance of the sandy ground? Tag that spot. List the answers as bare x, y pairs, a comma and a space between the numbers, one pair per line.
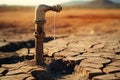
71, 21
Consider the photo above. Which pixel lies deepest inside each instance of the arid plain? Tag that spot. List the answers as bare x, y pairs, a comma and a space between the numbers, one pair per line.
68, 21
87, 45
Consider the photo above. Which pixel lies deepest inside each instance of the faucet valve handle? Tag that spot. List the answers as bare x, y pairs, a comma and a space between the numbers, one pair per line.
57, 8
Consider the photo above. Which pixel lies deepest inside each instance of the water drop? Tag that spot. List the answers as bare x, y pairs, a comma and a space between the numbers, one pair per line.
54, 26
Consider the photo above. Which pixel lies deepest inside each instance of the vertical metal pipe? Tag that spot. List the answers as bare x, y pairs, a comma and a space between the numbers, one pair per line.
39, 39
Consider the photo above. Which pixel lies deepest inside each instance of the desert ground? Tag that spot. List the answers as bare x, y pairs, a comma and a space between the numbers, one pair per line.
87, 45
68, 21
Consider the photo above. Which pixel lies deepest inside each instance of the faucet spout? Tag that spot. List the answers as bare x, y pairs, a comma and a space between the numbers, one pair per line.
42, 9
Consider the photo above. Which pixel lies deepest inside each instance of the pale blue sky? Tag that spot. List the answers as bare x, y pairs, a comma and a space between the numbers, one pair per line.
36, 2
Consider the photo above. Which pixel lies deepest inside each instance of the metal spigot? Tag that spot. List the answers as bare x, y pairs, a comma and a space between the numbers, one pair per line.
39, 33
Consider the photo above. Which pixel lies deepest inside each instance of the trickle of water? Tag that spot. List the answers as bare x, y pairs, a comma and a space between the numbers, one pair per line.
54, 25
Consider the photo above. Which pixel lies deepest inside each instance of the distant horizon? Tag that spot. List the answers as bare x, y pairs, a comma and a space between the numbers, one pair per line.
33, 3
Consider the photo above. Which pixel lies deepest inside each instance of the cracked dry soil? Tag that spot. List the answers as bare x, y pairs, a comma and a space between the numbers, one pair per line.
88, 57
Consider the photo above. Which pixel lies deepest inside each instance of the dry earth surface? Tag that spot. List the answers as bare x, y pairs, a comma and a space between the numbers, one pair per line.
87, 45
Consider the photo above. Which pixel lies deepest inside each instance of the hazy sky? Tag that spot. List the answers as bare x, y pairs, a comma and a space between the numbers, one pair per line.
34, 2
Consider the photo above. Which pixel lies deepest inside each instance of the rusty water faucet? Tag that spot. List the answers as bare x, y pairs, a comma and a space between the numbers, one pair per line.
39, 33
